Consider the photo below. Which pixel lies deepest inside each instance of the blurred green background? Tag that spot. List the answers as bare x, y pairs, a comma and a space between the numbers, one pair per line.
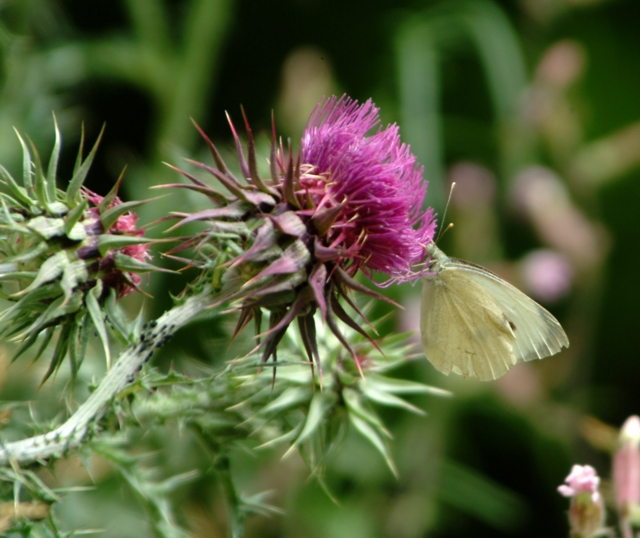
531, 106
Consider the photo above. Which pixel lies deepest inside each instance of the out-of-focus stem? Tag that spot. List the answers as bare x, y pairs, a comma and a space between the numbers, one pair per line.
234, 505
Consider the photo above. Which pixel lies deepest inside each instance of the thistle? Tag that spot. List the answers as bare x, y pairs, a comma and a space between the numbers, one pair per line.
66, 257
293, 243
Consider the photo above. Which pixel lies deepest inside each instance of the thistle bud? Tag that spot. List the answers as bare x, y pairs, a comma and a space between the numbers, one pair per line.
62, 255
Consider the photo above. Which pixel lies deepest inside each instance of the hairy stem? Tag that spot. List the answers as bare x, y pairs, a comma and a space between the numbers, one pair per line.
71, 434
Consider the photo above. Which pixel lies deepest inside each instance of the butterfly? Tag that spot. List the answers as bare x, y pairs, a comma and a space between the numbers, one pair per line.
475, 324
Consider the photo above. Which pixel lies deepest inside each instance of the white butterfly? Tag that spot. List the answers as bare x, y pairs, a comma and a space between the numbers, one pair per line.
475, 324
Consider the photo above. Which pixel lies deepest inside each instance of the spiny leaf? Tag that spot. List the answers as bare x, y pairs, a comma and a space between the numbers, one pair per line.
26, 343
73, 274
372, 436
16, 190
134, 265
53, 162
55, 310
73, 217
111, 196
62, 346
354, 405
47, 227
48, 334
291, 434
95, 312
110, 216
385, 398
38, 296
108, 241
73, 191
290, 397
116, 317
320, 405
41, 190
51, 269
31, 254
26, 163
402, 386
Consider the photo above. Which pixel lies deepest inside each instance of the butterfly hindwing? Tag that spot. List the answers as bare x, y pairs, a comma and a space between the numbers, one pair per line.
475, 324
463, 329
538, 333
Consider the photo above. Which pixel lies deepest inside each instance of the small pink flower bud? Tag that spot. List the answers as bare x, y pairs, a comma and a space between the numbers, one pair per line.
586, 513
626, 467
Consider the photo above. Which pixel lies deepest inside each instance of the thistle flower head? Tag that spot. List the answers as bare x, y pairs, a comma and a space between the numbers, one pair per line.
583, 479
375, 182
346, 202
63, 256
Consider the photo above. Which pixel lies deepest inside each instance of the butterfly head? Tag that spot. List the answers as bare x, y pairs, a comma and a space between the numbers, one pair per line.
436, 257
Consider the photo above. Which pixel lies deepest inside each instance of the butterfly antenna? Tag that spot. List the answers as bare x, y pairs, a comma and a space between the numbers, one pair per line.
444, 231
444, 215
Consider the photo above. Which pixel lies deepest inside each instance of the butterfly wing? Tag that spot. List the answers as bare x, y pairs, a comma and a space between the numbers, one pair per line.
463, 328
538, 333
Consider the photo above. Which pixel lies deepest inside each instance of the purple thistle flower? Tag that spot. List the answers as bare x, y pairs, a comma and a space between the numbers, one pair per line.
377, 182
346, 202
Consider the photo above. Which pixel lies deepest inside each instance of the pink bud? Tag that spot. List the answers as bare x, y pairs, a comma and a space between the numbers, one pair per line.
626, 465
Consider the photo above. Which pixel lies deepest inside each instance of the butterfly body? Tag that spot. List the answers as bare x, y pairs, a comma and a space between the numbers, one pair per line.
475, 324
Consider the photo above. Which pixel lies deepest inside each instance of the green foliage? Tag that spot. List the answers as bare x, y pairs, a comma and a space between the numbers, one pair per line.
242, 404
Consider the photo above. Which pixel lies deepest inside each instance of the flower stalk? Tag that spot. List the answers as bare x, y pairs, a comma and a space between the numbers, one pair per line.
626, 476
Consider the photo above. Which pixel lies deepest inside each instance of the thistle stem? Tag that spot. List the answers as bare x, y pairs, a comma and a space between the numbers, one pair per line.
8, 268
71, 434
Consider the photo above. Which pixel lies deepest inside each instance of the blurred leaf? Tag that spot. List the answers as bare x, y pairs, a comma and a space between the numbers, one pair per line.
477, 495
320, 405
371, 435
